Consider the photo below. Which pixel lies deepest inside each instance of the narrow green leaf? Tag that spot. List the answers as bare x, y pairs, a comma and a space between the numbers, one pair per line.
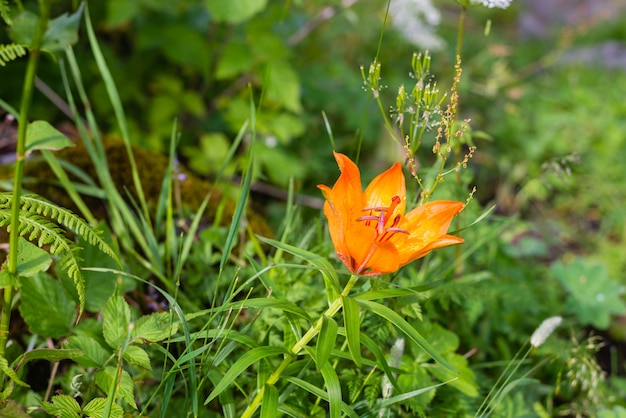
331, 281
333, 388
346, 409
245, 361
94, 355
45, 306
269, 405
352, 324
137, 356
40, 135
115, 321
325, 341
406, 328
31, 259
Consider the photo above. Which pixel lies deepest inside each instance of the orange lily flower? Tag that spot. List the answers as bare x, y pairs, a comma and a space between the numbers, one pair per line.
370, 230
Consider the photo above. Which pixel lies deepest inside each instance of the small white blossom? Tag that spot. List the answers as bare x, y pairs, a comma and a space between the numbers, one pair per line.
416, 20
502, 4
544, 330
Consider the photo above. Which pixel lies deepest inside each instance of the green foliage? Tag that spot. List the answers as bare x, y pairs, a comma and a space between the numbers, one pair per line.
10, 52
593, 296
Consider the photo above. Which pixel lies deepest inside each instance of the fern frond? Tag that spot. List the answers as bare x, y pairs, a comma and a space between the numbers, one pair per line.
5, 12
68, 219
9, 52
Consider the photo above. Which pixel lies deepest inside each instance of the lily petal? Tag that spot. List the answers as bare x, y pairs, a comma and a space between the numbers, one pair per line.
370, 257
343, 204
428, 226
384, 187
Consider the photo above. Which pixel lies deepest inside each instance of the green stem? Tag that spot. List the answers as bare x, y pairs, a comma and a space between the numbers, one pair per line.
27, 94
297, 347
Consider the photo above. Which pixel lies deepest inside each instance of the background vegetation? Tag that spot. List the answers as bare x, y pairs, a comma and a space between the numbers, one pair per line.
201, 130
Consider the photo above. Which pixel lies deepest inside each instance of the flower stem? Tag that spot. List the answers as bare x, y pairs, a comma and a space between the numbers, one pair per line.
27, 94
298, 346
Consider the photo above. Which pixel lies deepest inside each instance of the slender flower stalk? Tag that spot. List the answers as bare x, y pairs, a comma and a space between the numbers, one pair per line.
334, 307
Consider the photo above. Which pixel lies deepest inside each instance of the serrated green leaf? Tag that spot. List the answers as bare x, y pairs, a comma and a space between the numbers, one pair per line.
105, 377
137, 356
95, 408
62, 406
52, 355
245, 361
325, 340
234, 11
41, 135
155, 327
46, 307
269, 404
352, 324
62, 31
93, 354
406, 328
115, 321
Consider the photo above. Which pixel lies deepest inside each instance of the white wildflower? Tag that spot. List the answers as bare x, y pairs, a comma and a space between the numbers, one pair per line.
416, 20
544, 330
502, 4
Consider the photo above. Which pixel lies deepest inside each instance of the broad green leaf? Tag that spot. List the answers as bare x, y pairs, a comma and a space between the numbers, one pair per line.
95, 408
115, 321
94, 355
137, 356
283, 86
234, 11
46, 307
41, 135
23, 28
245, 361
331, 281
154, 327
31, 259
62, 31
106, 376
593, 295
406, 328
325, 340
269, 405
4, 368
352, 324
235, 60
8, 279
62, 406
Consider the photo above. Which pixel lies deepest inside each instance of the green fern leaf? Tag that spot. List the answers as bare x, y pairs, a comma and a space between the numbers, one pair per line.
10, 52
5, 12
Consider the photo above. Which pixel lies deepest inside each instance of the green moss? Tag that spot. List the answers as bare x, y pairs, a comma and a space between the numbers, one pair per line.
152, 167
